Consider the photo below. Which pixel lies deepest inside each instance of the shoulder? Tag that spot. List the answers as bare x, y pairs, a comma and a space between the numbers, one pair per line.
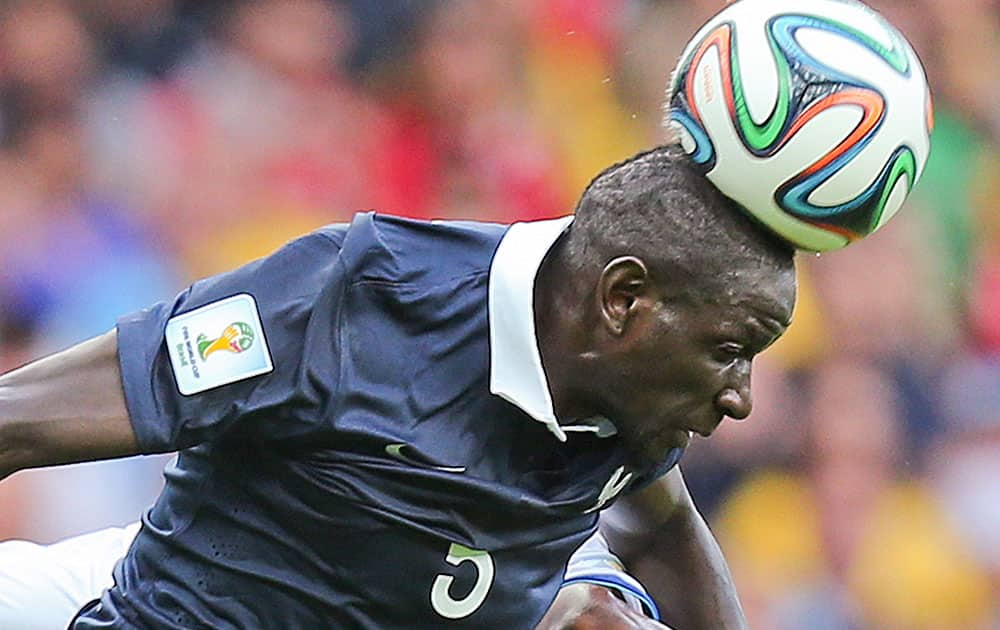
387, 248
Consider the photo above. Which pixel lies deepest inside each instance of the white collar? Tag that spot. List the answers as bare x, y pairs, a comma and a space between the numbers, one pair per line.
516, 372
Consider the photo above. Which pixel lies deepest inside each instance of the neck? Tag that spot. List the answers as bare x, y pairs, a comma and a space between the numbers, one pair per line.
559, 319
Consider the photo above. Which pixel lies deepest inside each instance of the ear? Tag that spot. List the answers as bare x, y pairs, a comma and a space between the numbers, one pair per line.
623, 282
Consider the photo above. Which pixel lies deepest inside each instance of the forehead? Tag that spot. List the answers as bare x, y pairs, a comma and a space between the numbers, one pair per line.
765, 295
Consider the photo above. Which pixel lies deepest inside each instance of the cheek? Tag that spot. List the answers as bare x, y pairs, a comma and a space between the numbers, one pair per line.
662, 373
671, 396
690, 377
666, 378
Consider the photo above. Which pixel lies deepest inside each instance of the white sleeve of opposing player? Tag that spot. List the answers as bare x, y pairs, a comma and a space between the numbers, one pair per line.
593, 563
43, 586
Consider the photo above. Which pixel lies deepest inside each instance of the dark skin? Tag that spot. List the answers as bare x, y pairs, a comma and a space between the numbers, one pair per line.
659, 361
65, 408
593, 607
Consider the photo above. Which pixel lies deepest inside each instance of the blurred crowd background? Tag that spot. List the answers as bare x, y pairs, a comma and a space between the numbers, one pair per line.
147, 143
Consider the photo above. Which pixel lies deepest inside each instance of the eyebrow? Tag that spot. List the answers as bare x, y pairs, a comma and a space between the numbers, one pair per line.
765, 331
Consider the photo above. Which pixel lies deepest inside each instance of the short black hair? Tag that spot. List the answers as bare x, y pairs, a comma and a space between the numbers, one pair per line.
656, 205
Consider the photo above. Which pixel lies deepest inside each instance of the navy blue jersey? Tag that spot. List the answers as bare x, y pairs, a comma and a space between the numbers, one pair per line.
366, 439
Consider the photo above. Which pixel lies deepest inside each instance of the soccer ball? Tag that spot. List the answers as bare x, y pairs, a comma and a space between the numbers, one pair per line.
813, 115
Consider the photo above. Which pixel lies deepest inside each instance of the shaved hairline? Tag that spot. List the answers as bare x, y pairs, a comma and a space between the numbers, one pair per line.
659, 207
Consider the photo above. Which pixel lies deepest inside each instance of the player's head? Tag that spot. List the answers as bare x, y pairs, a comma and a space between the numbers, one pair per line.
658, 207
679, 291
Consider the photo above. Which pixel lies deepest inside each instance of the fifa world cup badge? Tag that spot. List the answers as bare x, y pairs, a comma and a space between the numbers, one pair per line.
217, 344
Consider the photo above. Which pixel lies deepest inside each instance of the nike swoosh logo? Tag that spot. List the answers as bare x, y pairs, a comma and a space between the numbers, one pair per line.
395, 451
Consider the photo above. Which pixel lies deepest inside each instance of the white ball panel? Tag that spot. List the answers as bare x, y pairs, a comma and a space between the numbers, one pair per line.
854, 59
854, 15
813, 239
839, 53
858, 174
758, 68
895, 202
684, 137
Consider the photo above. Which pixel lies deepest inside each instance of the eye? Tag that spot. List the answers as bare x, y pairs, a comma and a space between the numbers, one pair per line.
729, 351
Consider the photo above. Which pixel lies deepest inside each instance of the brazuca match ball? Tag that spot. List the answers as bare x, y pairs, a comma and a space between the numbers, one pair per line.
813, 115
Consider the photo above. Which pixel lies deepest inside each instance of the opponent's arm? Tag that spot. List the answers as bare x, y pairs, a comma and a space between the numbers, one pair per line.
584, 606
666, 543
65, 408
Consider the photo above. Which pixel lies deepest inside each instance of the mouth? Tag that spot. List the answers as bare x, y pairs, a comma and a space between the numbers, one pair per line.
706, 429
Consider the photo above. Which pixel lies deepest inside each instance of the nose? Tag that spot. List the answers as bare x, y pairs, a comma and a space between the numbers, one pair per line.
734, 400
734, 403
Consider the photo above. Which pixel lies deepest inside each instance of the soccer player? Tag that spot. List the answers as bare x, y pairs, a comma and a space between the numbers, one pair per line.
404, 424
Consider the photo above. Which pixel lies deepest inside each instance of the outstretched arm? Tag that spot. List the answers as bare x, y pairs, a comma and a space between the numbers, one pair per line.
666, 543
65, 408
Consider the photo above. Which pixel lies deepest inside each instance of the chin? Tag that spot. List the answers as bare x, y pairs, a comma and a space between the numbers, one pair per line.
654, 450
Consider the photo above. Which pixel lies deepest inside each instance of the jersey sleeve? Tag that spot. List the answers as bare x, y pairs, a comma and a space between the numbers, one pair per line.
252, 350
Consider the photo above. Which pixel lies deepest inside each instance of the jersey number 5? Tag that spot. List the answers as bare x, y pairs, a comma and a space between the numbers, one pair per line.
442, 601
